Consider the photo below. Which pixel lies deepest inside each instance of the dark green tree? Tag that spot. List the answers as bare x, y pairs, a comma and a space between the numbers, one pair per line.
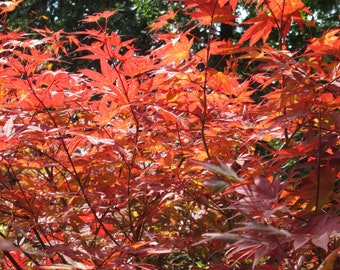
135, 16
131, 22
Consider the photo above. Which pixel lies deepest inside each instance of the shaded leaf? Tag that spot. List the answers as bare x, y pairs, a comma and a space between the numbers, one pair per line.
223, 170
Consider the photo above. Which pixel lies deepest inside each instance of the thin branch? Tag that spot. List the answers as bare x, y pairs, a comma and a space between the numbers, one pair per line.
75, 173
318, 160
204, 87
13, 261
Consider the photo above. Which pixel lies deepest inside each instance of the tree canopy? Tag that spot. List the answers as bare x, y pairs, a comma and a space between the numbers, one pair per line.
214, 146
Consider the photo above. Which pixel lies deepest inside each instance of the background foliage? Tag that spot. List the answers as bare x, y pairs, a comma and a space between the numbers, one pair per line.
130, 22
209, 144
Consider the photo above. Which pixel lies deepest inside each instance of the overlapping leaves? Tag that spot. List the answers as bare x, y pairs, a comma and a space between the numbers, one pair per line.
129, 162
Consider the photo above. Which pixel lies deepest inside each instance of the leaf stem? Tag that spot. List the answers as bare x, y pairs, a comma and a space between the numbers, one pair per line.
204, 87
134, 232
75, 173
318, 160
278, 24
13, 261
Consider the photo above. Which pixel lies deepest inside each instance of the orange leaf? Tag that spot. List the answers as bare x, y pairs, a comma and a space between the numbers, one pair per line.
163, 20
9, 6
286, 10
97, 16
328, 43
175, 52
261, 29
327, 97
329, 262
212, 12
233, 4
170, 117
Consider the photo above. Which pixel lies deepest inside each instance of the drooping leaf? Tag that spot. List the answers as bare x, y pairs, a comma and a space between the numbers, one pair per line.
222, 169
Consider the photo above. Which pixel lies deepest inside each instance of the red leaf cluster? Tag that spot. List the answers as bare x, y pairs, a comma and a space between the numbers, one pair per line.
161, 160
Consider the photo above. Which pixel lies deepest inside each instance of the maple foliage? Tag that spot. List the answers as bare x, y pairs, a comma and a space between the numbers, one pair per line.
163, 160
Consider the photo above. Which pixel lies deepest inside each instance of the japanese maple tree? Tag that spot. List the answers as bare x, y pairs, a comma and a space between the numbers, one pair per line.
203, 153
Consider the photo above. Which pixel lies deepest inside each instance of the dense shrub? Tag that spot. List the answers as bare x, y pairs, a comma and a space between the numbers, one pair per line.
204, 153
